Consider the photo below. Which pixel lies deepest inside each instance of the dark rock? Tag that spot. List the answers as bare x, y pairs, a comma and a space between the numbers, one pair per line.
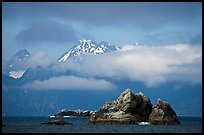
133, 109
127, 109
56, 122
163, 114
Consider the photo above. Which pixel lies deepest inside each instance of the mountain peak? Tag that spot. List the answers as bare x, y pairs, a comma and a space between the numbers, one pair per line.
87, 47
85, 41
18, 64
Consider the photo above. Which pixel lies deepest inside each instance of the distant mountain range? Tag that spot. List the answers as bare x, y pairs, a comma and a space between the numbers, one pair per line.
18, 66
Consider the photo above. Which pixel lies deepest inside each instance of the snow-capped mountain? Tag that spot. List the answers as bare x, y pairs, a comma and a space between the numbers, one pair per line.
87, 47
17, 65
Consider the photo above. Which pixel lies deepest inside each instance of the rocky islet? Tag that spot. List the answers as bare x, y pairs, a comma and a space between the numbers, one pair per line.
132, 108
129, 108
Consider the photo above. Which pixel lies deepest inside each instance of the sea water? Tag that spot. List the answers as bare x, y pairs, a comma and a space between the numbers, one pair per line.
80, 125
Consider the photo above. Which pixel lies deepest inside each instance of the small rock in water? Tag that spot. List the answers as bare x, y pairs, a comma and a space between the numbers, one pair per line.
56, 122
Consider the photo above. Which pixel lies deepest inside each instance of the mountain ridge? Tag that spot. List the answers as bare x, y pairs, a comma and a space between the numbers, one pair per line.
87, 47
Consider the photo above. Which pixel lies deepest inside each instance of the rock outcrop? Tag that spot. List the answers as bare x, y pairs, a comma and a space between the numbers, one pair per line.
56, 122
132, 108
163, 114
76, 113
129, 108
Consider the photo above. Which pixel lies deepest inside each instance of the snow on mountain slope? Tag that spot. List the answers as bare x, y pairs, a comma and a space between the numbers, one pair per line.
64, 58
17, 65
16, 74
87, 47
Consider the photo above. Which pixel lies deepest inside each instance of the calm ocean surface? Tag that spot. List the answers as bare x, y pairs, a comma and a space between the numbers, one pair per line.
80, 125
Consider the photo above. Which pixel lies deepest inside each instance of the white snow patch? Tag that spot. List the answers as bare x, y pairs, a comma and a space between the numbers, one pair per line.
92, 49
11, 65
16, 74
92, 44
98, 50
64, 58
86, 41
117, 48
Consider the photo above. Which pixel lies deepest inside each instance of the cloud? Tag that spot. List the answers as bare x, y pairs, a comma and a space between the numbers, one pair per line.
147, 23
39, 58
70, 83
47, 31
150, 65
102, 13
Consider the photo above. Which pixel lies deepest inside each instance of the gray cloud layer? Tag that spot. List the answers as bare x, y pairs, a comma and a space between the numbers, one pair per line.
48, 31
150, 65
105, 13
39, 58
70, 83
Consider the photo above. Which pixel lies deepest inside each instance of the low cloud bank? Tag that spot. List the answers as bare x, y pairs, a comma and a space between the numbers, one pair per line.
39, 58
70, 83
147, 64
151, 65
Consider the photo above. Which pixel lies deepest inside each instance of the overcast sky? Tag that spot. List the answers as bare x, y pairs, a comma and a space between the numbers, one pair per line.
55, 27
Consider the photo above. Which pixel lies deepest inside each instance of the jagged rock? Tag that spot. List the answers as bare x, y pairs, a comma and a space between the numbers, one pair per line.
127, 109
56, 122
162, 113
126, 101
132, 109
